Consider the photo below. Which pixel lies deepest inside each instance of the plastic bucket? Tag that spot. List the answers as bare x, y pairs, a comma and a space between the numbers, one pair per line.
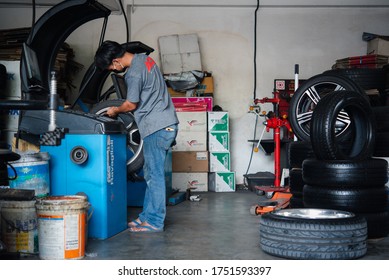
62, 227
32, 172
19, 226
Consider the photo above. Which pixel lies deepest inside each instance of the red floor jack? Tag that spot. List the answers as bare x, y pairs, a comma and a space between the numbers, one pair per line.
280, 195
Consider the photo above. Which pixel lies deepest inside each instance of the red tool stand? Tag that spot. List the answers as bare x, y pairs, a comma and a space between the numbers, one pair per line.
281, 196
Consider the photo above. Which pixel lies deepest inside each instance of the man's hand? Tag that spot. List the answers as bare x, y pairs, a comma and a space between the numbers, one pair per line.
112, 111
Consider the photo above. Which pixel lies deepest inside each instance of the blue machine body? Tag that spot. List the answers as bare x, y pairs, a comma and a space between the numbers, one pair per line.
102, 177
89, 158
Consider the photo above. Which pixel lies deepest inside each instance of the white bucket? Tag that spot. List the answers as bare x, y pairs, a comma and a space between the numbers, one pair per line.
62, 227
32, 172
19, 226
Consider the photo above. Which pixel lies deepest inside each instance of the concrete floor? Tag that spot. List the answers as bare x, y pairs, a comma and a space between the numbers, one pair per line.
219, 227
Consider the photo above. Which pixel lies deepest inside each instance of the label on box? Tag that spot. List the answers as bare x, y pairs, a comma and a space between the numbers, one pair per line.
202, 155
192, 121
219, 161
218, 121
219, 141
195, 181
206, 87
191, 141
222, 182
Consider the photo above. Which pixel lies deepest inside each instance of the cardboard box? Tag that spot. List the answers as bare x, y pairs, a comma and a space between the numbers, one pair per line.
378, 46
191, 141
219, 162
196, 182
218, 141
222, 182
190, 161
179, 53
218, 121
192, 121
174, 93
208, 101
205, 88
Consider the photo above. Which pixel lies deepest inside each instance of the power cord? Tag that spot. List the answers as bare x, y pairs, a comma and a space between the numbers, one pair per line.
255, 48
125, 19
255, 89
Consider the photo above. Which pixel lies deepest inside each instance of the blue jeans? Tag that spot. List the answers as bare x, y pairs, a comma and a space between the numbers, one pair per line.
155, 148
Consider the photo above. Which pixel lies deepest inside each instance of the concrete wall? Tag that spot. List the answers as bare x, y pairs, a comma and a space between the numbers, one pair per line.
312, 34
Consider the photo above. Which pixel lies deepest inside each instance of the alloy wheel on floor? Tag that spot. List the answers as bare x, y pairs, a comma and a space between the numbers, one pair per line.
313, 234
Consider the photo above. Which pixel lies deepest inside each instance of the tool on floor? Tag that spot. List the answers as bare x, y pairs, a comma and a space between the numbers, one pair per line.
195, 198
280, 200
176, 198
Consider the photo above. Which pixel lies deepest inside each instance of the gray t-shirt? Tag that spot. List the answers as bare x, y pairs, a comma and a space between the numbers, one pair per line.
146, 86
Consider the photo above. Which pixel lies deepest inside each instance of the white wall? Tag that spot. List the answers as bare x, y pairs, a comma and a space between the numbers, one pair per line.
311, 33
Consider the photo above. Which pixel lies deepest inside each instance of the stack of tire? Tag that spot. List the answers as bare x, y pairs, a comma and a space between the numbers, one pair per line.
318, 141
344, 176
298, 151
381, 117
332, 173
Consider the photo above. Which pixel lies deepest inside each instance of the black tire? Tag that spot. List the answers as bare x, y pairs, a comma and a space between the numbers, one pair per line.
377, 224
306, 97
298, 151
296, 183
381, 145
367, 78
134, 141
288, 234
357, 200
296, 201
343, 173
342, 110
381, 118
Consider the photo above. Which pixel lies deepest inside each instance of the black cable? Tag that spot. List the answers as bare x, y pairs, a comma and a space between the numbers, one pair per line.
255, 48
253, 146
33, 16
125, 19
255, 84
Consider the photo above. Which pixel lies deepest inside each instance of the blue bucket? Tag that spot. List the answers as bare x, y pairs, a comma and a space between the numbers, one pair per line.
32, 173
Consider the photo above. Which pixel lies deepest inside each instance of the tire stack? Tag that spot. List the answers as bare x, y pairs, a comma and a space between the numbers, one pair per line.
343, 186
367, 79
381, 117
298, 151
344, 176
